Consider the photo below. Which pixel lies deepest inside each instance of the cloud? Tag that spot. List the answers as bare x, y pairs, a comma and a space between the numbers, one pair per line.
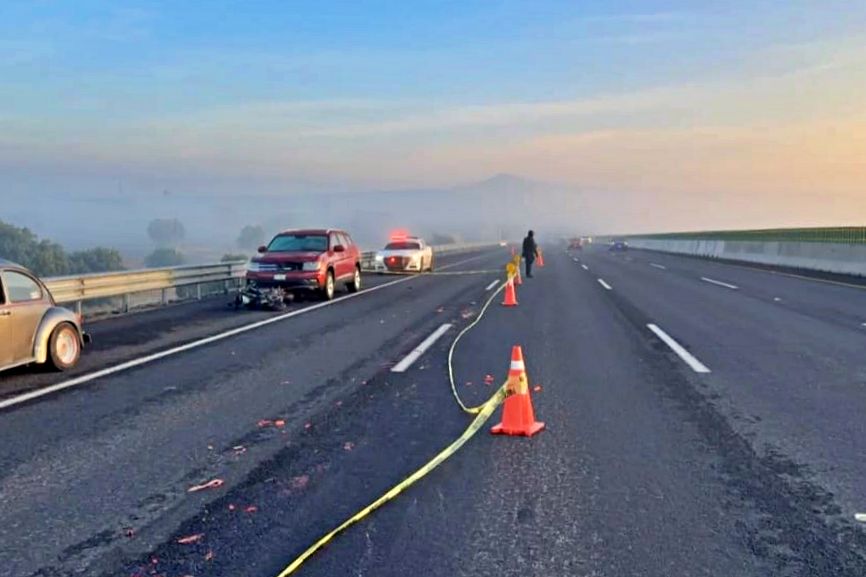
785, 127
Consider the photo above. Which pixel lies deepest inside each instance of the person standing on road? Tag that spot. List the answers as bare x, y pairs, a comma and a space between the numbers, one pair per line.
530, 252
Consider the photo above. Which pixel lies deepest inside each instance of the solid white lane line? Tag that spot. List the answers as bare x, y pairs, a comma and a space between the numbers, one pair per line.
17, 400
604, 284
585, 267
720, 283
696, 365
491, 285
659, 266
420, 349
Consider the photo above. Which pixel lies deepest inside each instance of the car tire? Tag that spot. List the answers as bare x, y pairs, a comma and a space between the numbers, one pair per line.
64, 347
430, 264
354, 285
330, 287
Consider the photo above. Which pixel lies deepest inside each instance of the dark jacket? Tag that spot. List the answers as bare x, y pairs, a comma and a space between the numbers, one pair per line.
530, 249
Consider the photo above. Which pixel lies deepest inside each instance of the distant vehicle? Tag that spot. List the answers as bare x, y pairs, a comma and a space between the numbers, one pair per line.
405, 254
34, 328
618, 246
575, 244
313, 260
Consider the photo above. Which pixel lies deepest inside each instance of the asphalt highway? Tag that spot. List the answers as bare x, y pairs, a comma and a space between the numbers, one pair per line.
702, 419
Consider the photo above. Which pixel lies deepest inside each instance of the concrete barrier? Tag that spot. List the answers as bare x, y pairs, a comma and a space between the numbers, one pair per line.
829, 257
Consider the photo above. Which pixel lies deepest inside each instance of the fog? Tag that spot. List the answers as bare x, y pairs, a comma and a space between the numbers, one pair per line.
503, 206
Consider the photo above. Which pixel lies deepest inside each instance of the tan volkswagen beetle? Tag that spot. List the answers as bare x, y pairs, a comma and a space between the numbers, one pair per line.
33, 329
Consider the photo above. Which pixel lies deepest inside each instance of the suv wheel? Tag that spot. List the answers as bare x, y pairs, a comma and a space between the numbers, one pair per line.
64, 347
355, 284
328, 290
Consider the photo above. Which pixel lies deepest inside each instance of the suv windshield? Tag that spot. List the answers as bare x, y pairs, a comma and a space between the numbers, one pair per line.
403, 246
299, 243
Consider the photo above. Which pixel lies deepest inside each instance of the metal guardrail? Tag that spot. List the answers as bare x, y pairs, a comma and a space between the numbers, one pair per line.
227, 276
78, 289
839, 235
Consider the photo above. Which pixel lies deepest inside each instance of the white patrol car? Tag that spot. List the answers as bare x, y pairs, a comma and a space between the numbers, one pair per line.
405, 254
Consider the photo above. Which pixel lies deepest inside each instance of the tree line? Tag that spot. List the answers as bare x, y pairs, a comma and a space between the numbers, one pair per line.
47, 258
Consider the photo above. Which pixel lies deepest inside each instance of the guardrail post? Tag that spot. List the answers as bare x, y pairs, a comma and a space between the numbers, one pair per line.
165, 296
227, 286
198, 291
125, 305
78, 308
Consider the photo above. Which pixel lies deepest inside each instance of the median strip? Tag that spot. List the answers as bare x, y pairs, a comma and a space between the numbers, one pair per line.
696, 365
720, 283
491, 285
409, 359
659, 266
585, 267
604, 284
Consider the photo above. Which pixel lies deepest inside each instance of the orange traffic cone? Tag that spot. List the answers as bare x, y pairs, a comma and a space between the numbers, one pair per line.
518, 417
510, 293
540, 259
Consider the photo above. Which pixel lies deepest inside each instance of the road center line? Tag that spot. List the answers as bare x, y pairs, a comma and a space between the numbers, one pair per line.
491, 285
696, 365
659, 266
720, 283
585, 267
17, 400
604, 284
407, 361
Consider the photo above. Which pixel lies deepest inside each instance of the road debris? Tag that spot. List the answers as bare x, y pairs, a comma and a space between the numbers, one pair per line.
212, 484
190, 539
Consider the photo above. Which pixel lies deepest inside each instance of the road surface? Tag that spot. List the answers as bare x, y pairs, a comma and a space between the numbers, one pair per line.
703, 419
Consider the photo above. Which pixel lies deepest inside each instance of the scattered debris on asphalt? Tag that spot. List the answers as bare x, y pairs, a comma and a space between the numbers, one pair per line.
190, 539
212, 484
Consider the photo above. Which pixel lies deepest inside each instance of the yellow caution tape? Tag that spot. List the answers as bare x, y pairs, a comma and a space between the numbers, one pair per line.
434, 273
482, 413
466, 329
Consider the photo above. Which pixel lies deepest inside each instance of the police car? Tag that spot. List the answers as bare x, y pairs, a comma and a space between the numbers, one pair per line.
405, 254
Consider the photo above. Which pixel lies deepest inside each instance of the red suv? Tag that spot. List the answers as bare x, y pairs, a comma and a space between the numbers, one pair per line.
315, 259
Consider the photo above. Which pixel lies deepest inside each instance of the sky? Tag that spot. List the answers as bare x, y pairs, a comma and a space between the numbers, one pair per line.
725, 113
